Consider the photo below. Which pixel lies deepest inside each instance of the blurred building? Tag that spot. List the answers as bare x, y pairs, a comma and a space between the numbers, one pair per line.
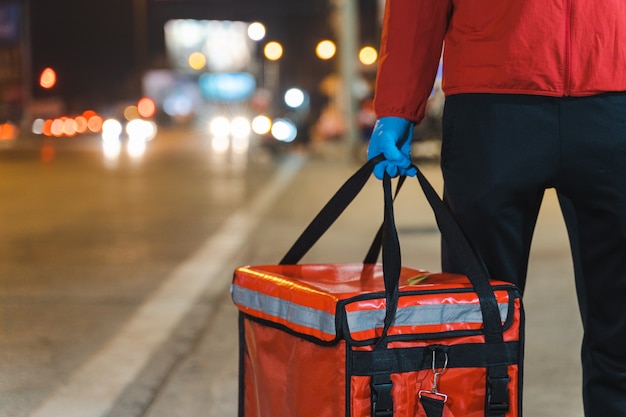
14, 65
101, 50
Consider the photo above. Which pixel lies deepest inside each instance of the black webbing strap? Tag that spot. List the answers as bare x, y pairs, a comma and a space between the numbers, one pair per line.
498, 401
419, 358
432, 406
392, 263
377, 243
330, 212
472, 265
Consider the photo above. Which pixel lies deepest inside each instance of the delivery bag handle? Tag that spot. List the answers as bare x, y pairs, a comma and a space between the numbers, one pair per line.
450, 230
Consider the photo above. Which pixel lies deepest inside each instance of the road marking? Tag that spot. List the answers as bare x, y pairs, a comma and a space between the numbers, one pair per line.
94, 388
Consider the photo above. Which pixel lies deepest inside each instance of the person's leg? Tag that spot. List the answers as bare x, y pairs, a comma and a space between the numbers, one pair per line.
499, 153
593, 199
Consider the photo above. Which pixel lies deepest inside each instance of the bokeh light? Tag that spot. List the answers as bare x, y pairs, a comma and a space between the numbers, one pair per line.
273, 51
111, 129
131, 112
261, 125
46, 129
368, 55
141, 129
178, 105
57, 127
284, 130
240, 127
94, 123
197, 61
220, 127
326, 49
146, 107
48, 78
8, 131
38, 125
81, 124
68, 126
294, 98
256, 31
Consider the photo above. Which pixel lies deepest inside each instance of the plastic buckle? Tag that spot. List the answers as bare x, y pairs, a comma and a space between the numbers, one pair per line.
497, 395
382, 399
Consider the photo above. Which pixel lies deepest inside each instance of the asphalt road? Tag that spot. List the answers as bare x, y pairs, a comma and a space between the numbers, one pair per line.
84, 240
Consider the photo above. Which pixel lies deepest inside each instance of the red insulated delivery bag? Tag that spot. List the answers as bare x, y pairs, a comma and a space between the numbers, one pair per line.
377, 339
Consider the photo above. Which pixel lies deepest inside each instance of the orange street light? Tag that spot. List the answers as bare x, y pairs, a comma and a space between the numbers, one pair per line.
48, 78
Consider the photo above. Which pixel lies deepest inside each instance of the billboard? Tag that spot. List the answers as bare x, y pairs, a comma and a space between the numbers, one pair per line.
225, 45
219, 55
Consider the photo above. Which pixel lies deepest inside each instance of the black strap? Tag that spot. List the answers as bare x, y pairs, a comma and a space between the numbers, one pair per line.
330, 212
473, 267
432, 406
450, 230
498, 401
392, 262
419, 358
376, 245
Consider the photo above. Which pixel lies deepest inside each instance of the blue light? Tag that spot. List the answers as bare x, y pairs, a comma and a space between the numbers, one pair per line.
234, 86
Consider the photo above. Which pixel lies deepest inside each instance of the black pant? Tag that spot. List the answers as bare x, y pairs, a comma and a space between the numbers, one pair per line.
499, 154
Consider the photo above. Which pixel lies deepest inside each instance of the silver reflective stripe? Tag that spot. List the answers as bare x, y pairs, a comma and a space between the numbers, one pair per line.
285, 310
422, 315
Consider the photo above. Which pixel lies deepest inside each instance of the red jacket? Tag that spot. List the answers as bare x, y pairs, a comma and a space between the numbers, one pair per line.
544, 47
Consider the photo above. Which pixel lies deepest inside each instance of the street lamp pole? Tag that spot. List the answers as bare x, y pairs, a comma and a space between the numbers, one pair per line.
346, 15
27, 64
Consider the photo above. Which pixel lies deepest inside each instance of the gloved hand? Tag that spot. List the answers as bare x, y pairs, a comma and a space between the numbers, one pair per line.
392, 137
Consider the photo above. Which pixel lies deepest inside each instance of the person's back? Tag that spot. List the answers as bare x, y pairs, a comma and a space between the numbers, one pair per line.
541, 47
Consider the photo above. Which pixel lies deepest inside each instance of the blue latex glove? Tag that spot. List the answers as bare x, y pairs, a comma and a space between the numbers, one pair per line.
392, 137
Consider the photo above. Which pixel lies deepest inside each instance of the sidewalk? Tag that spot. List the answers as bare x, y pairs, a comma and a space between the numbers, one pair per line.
203, 382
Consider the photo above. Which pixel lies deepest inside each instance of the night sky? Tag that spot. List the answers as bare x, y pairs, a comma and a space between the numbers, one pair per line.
90, 42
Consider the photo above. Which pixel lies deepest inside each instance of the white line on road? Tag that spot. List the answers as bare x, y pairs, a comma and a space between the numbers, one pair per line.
94, 388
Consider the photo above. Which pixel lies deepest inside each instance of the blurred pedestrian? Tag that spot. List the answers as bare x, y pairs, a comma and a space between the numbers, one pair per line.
535, 99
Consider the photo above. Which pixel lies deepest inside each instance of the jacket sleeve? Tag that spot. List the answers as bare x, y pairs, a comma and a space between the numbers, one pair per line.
410, 50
